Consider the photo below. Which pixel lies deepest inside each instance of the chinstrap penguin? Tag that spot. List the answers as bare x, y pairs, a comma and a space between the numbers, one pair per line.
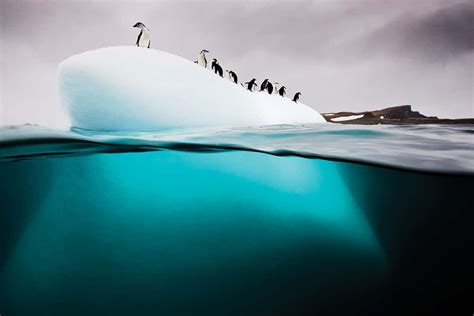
269, 87
216, 67
251, 84
296, 97
263, 86
232, 76
202, 61
282, 91
143, 39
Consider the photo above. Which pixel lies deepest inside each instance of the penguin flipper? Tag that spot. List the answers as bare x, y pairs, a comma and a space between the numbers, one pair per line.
149, 42
138, 38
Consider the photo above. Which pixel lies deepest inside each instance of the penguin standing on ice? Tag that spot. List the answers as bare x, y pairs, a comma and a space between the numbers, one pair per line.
213, 64
232, 76
251, 84
282, 91
217, 68
143, 39
263, 86
269, 87
296, 97
202, 61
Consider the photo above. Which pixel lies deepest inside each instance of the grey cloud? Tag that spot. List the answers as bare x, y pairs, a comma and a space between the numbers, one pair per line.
436, 36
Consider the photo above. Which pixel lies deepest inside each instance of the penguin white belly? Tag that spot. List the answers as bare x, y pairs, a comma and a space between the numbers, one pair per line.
202, 60
144, 40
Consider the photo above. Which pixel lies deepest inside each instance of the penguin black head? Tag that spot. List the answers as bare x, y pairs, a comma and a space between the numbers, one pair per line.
139, 25
204, 51
214, 59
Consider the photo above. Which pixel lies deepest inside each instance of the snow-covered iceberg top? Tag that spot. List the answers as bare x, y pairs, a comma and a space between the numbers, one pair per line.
138, 89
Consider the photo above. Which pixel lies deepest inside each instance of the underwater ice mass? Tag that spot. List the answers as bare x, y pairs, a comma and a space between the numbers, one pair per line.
137, 89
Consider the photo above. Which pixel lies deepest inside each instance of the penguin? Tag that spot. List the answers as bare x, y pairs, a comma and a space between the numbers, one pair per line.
217, 68
143, 39
213, 64
250, 84
282, 91
232, 76
227, 71
296, 97
276, 84
263, 85
269, 87
202, 61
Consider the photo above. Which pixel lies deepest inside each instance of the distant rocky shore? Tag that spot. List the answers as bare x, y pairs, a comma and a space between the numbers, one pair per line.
397, 115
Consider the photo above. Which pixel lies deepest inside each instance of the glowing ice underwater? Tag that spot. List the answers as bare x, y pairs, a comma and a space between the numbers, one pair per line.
173, 226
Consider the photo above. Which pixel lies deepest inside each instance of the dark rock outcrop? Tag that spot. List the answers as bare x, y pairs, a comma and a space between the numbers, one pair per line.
397, 115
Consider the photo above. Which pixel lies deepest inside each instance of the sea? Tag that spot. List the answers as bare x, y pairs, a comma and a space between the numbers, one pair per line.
314, 219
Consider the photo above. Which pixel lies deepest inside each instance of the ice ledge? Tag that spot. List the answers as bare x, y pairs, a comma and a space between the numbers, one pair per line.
138, 89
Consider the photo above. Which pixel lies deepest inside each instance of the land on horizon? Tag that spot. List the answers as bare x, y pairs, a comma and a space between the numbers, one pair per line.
397, 115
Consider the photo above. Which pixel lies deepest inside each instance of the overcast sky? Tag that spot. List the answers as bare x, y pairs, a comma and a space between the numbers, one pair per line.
342, 55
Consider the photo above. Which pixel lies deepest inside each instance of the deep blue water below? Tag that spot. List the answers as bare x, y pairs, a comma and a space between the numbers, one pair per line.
272, 221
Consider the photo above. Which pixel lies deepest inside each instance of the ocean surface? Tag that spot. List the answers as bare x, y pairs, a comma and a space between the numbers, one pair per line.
275, 220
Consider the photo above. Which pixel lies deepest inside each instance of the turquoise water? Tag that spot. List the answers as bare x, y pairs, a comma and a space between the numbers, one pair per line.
233, 222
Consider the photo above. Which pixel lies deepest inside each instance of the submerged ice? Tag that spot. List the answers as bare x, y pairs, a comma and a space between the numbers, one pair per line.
172, 232
233, 231
137, 89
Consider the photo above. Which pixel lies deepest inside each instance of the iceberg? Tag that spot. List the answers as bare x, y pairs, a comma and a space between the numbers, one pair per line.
137, 89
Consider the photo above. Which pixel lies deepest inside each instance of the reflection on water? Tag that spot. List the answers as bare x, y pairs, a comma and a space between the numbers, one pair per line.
429, 148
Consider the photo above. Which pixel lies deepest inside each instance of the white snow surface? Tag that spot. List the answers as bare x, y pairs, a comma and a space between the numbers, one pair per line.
347, 118
138, 89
